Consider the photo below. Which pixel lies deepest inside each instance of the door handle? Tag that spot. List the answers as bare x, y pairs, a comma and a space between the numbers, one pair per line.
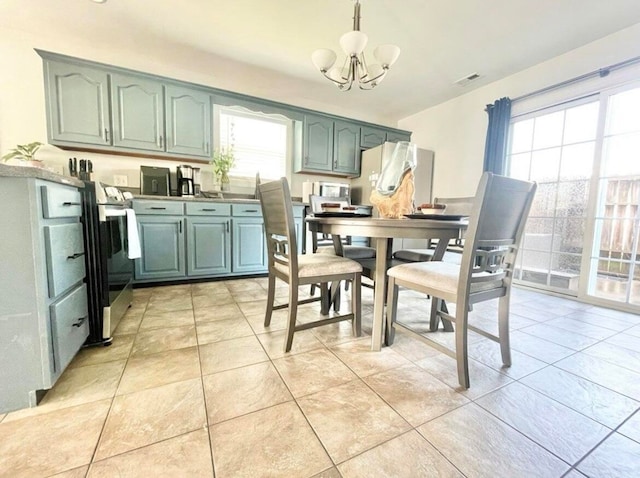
227, 222
155, 208
79, 322
106, 135
68, 203
250, 210
180, 227
76, 255
161, 141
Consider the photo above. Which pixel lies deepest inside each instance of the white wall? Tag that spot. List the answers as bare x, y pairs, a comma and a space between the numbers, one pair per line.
22, 97
456, 130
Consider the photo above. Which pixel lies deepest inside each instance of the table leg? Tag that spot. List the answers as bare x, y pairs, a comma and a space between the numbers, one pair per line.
378, 293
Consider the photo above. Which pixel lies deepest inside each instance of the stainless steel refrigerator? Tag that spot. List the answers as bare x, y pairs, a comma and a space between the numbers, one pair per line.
373, 160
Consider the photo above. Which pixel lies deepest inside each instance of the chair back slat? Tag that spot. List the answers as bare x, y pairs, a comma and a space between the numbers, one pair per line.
277, 212
495, 229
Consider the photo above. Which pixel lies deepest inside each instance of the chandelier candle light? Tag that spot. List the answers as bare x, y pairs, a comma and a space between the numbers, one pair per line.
355, 67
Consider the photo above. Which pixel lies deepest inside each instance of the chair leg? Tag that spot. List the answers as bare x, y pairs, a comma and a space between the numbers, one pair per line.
271, 293
446, 324
312, 289
325, 299
435, 318
392, 310
356, 306
293, 312
335, 295
462, 357
503, 330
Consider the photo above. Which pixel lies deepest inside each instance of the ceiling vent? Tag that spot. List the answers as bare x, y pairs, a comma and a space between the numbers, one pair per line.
467, 79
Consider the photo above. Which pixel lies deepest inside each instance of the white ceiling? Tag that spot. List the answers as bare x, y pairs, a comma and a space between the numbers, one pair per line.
441, 40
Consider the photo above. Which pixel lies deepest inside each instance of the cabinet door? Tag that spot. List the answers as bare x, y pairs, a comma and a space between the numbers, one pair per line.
208, 246
249, 245
77, 104
346, 148
318, 144
394, 136
163, 249
188, 121
138, 112
372, 137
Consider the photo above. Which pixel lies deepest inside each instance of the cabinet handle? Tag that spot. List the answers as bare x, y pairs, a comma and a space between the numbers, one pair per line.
76, 255
180, 227
208, 210
250, 210
68, 203
106, 135
227, 226
206, 148
155, 208
161, 141
79, 322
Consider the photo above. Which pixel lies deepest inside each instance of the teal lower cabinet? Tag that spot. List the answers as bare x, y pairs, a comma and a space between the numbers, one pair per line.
249, 245
163, 248
208, 246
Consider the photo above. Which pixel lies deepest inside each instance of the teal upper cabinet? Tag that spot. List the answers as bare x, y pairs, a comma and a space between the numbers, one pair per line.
346, 148
372, 137
395, 136
138, 113
317, 152
188, 121
77, 104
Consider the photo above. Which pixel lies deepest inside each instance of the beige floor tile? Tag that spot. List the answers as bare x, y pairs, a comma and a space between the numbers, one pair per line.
614, 354
212, 300
568, 339
631, 428
243, 390
617, 457
330, 473
129, 323
574, 474
77, 386
561, 430
53, 442
625, 340
148, 371
218, 330
415, 394
303, 341
582, 328
480, 445
412, 348
488, 352
142, 418
538, 348
170, 291
169, 303
187, 455
482, 379
335, 334
279, 321
228, 354
592, 400
313, 371
359, 357
160, 340
250, 295
177, 318
256, 307
119, 349
206, 288
616, 378
242, 285
598, 320
350, 419
80, 472
277, 439
222, 312
418, 459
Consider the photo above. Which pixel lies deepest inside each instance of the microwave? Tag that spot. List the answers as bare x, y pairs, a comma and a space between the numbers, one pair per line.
334, 190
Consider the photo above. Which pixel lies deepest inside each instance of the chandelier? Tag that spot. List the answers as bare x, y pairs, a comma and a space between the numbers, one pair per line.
355, 67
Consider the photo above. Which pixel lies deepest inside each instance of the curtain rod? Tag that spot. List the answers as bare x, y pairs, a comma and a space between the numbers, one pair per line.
601, 72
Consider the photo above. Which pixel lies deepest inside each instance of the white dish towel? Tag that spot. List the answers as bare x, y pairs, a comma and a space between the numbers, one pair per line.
132, 235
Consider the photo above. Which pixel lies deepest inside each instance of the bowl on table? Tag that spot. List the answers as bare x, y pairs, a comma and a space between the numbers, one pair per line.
432, 208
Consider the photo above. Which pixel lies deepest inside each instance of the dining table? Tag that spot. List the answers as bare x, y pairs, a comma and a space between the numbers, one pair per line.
380, 230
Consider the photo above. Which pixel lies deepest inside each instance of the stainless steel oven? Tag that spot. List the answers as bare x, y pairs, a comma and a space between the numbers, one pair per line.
109, 268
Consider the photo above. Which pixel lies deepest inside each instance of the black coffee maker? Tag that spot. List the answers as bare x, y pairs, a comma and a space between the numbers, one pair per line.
184, 174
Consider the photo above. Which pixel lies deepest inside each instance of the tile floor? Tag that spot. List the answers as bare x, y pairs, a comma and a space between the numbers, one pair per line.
195, 385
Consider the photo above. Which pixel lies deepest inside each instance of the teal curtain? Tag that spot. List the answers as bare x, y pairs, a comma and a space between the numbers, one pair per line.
495, 148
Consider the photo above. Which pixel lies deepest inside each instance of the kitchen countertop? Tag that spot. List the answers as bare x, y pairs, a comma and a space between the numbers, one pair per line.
8, 171
203, 199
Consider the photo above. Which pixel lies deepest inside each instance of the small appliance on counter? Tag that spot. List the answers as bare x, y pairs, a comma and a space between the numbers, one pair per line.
326, 189
154, 181
196, 181
184, 173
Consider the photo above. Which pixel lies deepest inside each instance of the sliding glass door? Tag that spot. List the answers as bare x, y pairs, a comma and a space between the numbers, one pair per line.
582, 236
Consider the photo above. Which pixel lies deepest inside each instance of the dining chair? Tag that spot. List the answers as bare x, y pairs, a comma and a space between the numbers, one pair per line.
496, 224
459, 206
300, 269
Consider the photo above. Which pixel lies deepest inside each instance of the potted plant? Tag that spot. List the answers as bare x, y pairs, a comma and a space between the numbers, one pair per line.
223, 160
25, 153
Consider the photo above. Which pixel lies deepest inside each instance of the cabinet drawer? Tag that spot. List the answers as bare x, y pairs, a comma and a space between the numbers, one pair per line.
65, 256
208, 209
69, 326
246, 210
169, 208
60, 201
